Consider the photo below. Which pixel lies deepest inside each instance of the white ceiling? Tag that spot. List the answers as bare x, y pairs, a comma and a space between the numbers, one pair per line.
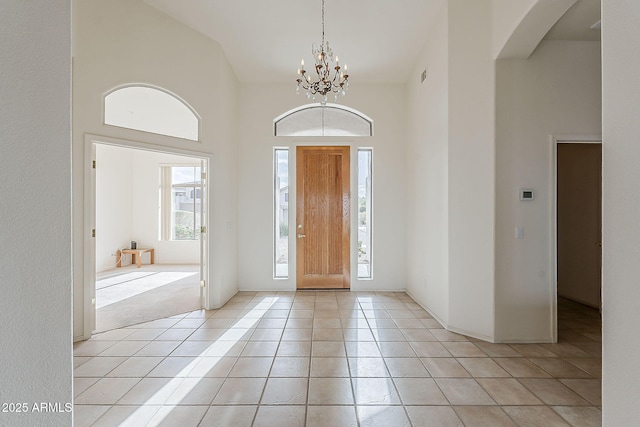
576, 23
264, 40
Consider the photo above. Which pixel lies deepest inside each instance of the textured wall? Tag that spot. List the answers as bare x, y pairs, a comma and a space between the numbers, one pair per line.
35, 212
621, 204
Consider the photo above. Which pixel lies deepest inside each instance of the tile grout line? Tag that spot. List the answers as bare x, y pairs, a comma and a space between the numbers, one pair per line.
378, 342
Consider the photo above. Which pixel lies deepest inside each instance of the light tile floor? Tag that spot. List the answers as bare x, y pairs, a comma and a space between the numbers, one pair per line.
334, 359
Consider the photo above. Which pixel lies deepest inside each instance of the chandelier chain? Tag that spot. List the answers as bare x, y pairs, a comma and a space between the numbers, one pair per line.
325, 64
322, 22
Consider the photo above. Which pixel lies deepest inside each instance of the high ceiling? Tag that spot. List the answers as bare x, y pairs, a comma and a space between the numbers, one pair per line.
264, 40
577, 22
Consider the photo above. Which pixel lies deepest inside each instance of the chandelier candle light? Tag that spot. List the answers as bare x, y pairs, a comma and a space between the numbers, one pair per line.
323, 84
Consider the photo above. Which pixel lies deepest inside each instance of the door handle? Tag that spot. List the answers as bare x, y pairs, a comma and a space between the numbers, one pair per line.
599, 244
300, 236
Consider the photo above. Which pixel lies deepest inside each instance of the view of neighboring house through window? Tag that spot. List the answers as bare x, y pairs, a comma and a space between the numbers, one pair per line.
181, 195
364, 212
281, 214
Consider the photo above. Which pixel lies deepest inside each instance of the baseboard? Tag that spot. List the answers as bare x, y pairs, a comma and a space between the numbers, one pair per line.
471, 334
80, 338
216, 307
448, 327
322, 290
521, 341
431, 313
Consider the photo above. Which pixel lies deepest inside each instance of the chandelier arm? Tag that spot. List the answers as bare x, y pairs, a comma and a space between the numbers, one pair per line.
325, 73
326, 81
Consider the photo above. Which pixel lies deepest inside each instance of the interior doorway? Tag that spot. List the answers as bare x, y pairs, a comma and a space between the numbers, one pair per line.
323, 217
579, 222
154, 202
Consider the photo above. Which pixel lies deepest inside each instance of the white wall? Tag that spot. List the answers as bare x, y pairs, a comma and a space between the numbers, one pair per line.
471, 168
259, 105
555, 92
427, 175
114, 204
450, 159
222, 263
35, 213
519, 25
128, 203
122, 42
621, 199
506, 16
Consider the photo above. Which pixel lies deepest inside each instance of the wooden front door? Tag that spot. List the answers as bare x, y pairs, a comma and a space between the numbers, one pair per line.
580, 222
322, 218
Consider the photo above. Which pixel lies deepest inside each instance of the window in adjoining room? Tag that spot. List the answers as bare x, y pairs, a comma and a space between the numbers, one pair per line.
180, 202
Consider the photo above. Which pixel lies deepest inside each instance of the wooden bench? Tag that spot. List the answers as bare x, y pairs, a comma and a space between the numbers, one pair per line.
136, 256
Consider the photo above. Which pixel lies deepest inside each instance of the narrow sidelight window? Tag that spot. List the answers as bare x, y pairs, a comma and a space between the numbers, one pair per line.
281, 213
365, 161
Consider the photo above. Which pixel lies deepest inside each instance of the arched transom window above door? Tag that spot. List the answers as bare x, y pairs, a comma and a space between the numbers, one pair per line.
151, 109
318, 120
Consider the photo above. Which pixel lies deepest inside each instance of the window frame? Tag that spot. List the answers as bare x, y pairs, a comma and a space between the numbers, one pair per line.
166, 206
368, 210
304, 108
159, 89
276, 214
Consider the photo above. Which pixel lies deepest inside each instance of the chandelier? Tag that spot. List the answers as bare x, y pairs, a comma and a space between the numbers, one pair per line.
323, 83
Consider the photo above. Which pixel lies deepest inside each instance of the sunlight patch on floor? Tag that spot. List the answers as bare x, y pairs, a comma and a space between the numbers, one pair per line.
129, 287
150, 414
121, 278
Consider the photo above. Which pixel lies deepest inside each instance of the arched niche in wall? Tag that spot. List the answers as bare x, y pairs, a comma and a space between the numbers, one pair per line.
319, 120
151, 109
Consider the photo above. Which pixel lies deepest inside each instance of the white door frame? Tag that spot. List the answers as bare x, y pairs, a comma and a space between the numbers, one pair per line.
89, 267
555, 140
